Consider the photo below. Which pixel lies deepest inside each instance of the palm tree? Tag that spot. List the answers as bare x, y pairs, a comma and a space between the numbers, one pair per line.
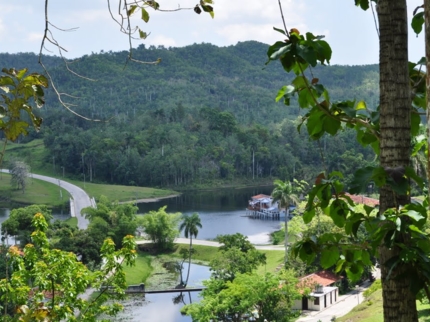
190, 225
284, 194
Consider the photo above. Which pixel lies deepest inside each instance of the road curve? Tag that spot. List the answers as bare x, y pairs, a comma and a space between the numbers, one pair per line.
80, 197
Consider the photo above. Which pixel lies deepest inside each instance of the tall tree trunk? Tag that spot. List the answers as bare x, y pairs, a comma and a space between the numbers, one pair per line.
287, 213
189, 260
427, 40
395, 143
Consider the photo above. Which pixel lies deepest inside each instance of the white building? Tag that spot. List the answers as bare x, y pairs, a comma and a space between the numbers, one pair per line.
323, 293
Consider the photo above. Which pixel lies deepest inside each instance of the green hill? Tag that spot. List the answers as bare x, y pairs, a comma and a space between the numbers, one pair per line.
204, 114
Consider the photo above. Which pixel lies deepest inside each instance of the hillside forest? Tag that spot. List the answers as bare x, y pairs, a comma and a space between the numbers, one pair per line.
203, 114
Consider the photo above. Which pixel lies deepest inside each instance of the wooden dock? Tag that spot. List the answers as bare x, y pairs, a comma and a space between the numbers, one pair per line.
263, 213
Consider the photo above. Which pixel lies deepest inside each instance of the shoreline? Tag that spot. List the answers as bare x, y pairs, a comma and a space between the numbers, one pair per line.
148, 200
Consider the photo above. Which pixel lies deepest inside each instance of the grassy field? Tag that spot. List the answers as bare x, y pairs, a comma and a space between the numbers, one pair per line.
35, 155
37, 192
121, 193
204, 254
371, 311
140, 272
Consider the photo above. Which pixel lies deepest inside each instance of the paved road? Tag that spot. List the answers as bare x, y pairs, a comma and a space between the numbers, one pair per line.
80, 198
344, 304
214, 244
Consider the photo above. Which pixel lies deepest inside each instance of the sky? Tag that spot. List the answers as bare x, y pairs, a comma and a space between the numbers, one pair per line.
350, 31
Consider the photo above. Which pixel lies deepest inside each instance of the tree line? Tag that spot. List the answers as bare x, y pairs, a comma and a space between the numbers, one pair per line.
191, 119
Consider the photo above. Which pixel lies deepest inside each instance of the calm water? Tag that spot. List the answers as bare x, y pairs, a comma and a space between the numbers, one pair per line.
4, 214
163, 307
221, 212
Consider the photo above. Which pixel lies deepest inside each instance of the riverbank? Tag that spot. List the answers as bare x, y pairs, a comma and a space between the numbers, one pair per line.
147, 200
155, 271
238, 183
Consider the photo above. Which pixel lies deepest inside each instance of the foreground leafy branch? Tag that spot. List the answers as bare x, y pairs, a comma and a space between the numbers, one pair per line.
48, 284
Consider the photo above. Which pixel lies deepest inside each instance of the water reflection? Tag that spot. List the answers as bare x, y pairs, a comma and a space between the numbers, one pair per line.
57, 214
221, 211
165, 306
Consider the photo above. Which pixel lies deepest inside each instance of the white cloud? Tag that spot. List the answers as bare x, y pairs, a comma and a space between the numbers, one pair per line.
160, 40
34, 37
247, 31
2, 29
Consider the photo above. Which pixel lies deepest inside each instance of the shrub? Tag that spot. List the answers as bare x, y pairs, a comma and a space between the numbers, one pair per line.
376, 285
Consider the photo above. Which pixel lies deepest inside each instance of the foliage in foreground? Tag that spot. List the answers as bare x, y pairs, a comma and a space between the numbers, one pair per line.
267, 298
48, 284
236, 290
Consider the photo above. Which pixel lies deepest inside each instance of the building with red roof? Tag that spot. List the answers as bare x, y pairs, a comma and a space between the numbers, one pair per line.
323, 292
360, 199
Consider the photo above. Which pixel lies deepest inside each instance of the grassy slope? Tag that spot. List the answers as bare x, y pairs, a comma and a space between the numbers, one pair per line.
35, 155
37, 192
371, 311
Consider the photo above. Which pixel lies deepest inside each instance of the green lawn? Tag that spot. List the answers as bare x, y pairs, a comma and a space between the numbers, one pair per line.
274, 258
371, 310
138, 274
204, 254
121, 193
36, 156
37, 192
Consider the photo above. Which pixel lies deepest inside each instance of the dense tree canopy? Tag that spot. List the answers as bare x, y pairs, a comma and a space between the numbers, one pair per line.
221, 123
161, 227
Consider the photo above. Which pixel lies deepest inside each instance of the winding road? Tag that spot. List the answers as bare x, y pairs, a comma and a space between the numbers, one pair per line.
80, 198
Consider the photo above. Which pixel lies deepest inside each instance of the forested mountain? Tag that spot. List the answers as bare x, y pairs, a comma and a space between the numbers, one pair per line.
203, 113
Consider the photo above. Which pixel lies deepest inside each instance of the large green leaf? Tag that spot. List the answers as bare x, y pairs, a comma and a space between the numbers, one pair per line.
6, 80
286, 90
308, 54
329, 256
338, 212
273, 51
280, 30
331, 125
418, 22
314, 125
308, 216
145, 15
361, 179
354, 271
364, 4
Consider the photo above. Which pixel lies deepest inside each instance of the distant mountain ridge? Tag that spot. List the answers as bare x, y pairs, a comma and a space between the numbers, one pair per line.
233, 78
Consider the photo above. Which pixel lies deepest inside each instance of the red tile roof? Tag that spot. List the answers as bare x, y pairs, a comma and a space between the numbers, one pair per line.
323, 278
360, 199
260, 196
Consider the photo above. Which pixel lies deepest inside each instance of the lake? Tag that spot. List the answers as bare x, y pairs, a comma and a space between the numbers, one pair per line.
221, 211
